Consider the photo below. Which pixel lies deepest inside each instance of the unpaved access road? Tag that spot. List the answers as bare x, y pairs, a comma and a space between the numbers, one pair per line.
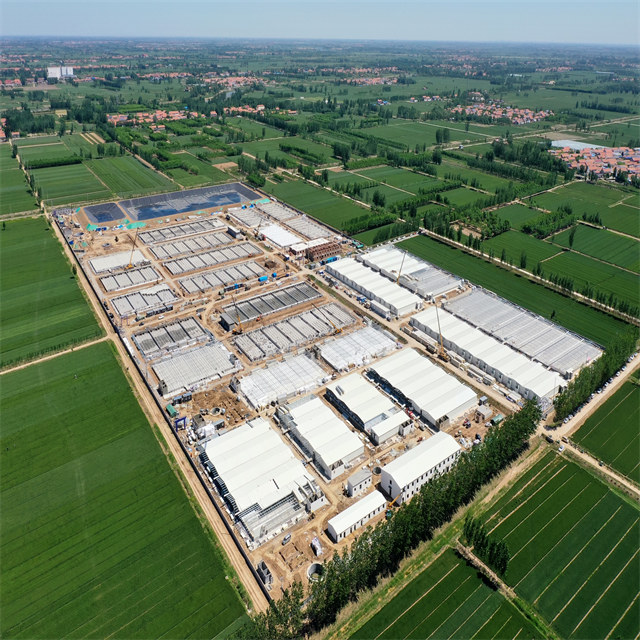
169, 441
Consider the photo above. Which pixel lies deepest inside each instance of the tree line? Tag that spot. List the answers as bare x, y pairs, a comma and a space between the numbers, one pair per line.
596, 374
492, 551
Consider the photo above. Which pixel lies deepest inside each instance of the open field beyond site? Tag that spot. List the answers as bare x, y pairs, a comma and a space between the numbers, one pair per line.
98, 537
449, 599
41, 306
15, 195
612, 434
574, 549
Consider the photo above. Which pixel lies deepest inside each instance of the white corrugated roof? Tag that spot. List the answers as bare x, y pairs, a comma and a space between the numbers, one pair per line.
512, 364
326, 434
279, 235
117, 260
427, 455
353, 514
256, 465
428, 386
362, 398
375, 285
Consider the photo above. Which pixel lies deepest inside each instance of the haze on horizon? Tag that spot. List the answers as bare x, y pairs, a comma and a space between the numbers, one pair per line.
545, 21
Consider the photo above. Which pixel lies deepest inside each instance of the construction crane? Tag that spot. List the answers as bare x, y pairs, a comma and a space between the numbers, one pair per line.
133, 248
258, 229
336, 330
404, 255
442, 354
238, 329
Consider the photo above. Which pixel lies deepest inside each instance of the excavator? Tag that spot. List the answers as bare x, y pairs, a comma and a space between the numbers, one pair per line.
442, 354
390, 505
336, 330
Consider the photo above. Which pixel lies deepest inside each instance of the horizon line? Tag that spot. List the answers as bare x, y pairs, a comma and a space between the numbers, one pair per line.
306, 39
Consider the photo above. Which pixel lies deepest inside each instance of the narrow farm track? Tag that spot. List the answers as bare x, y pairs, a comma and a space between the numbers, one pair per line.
168, 441
51, 356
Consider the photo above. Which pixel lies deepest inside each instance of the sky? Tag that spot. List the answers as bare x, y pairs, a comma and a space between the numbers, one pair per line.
551, 21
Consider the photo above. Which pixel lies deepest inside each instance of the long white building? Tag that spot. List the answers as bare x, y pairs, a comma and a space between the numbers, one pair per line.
418, 276
356, 516
321, 435
402, 478
367, 408
373, 286
432, 393
266, 488
509, 367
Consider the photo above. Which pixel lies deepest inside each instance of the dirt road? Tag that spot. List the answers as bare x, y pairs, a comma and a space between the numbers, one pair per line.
148, 405
571, 426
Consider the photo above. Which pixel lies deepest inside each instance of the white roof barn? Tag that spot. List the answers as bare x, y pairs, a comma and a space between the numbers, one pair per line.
321, 434
367, 408
356, 516
508, 366
403, 477
374, 286
433, 393
264, 484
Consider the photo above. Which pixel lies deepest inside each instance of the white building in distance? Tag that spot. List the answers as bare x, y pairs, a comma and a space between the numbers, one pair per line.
402, 478
356, 516
60, 73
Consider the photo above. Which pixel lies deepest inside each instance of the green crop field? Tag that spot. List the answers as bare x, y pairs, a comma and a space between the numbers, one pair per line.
582, 197
604, 277
48, 151
391, 194
401, 178
574, 549
623, 217
319, 203
517, 215
41, 306
463, 196
448, 600
411, 133
255, 128
14, 195
573, 315
450, 169
612, 434
68, 184
98, 538
127, 177
602, 244
515, 243
36, 140
343, 178
78, 145
186, 179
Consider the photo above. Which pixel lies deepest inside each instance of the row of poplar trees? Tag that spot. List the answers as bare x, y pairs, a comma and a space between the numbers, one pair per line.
492, 551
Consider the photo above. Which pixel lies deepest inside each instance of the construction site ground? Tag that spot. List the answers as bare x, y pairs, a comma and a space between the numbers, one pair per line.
287, 562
